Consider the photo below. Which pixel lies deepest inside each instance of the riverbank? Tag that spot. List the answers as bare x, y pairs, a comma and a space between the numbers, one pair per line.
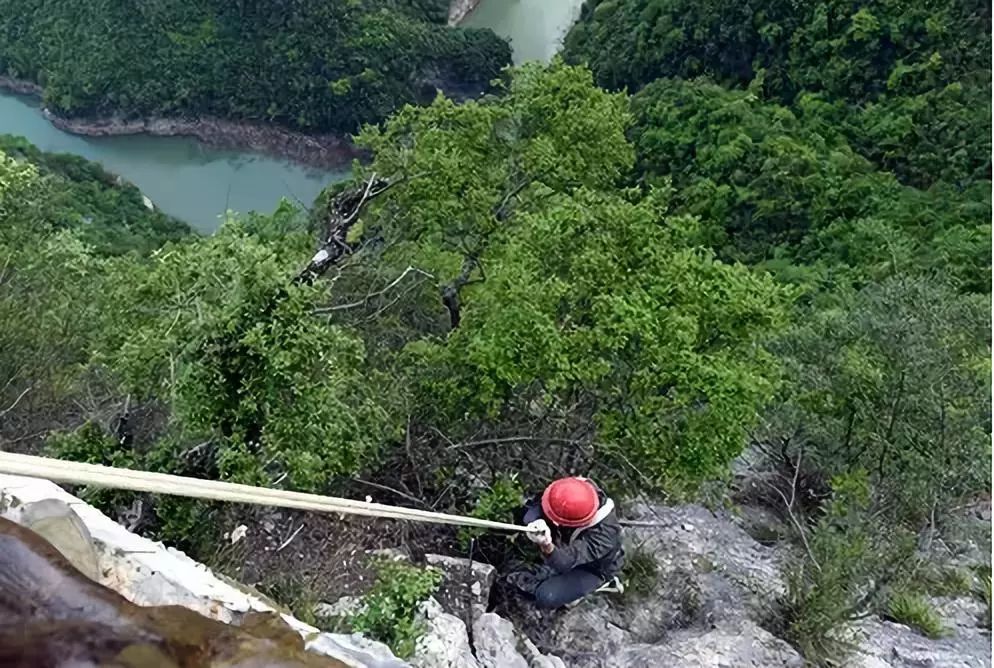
460, 9
320, 151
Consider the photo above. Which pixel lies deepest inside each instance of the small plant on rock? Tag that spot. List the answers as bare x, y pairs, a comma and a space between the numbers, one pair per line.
639, 572
914, 611
389, 612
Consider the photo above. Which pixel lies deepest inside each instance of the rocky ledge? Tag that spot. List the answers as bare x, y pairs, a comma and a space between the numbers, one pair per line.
711, 601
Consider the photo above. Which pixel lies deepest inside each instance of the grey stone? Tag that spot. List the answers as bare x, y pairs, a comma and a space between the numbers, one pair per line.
445, 643
55, 521
883, 643
735, 645
343, 607
495, 643
465, 588
355, 650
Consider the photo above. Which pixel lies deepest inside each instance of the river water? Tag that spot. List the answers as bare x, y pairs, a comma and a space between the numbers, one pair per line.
535, 28
197, 184
180, 175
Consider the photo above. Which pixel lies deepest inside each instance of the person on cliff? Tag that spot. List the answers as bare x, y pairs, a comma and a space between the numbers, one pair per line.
577, 531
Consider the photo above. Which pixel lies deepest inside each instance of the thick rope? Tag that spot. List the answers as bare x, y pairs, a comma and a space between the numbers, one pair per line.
161, 483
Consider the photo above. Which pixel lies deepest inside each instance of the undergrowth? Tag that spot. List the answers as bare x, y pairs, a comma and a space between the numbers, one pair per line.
914, 611
389, 612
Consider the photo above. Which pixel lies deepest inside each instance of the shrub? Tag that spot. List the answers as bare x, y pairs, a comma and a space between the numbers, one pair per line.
849, 556
497, 504
90, 444
390, 610
914, 611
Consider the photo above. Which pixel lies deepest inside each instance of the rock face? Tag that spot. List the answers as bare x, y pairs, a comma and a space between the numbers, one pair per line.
465, 588
714, 590
460, 9
463, 595
966, 645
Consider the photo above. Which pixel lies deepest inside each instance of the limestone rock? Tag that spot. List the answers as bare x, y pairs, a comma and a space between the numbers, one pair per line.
55, 521
736, 646
882, 643
343, 607
355, 650
495, 643
149, 573
465, 588
445, 643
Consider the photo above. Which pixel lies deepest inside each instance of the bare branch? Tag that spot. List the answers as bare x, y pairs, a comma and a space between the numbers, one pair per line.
16, 401
372, 295
385, 488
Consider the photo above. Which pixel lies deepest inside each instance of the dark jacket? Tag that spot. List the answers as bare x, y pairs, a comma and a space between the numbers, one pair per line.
597, 547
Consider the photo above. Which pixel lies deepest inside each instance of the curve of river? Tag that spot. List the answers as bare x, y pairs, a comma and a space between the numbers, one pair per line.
183, 177
196, 183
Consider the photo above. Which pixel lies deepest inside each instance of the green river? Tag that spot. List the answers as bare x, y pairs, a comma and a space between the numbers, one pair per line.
197, 184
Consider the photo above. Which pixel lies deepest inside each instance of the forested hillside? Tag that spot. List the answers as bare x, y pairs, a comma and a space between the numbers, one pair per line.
778, 238
324, 66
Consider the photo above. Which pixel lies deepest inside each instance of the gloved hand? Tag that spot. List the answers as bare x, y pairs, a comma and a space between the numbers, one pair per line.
540, 534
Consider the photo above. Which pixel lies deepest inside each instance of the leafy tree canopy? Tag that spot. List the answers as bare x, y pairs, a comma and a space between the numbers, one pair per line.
325, 65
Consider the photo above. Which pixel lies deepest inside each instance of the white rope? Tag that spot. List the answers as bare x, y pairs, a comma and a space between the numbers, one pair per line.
162, 483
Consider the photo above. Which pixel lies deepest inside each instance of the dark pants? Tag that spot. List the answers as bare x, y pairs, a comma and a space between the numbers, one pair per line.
554, 590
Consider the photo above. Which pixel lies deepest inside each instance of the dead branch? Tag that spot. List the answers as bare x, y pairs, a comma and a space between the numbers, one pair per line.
373, 295
343, 213
789, 506
16, 401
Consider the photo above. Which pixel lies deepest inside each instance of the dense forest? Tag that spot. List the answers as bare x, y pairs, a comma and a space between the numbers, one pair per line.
742, 228
325, 66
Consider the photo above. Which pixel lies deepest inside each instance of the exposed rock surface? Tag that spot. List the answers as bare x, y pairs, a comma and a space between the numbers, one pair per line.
460, 9
714, 591
883, 644
465, 588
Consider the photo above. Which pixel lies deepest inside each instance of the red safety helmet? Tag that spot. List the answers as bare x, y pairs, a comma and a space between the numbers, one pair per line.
570, 502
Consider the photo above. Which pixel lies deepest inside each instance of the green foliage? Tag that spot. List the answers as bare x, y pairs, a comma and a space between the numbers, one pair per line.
945, 581
389, 612
894, 380
107, 213
640, 572
908, 84
568, 286
848, 558
317, 66
91, 444
218, 330
774, 184
850, 53
497, 503
49, 286
914, 611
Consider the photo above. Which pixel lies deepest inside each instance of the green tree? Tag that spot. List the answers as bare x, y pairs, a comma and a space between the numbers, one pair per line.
562, 290
324, 66
894, 380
